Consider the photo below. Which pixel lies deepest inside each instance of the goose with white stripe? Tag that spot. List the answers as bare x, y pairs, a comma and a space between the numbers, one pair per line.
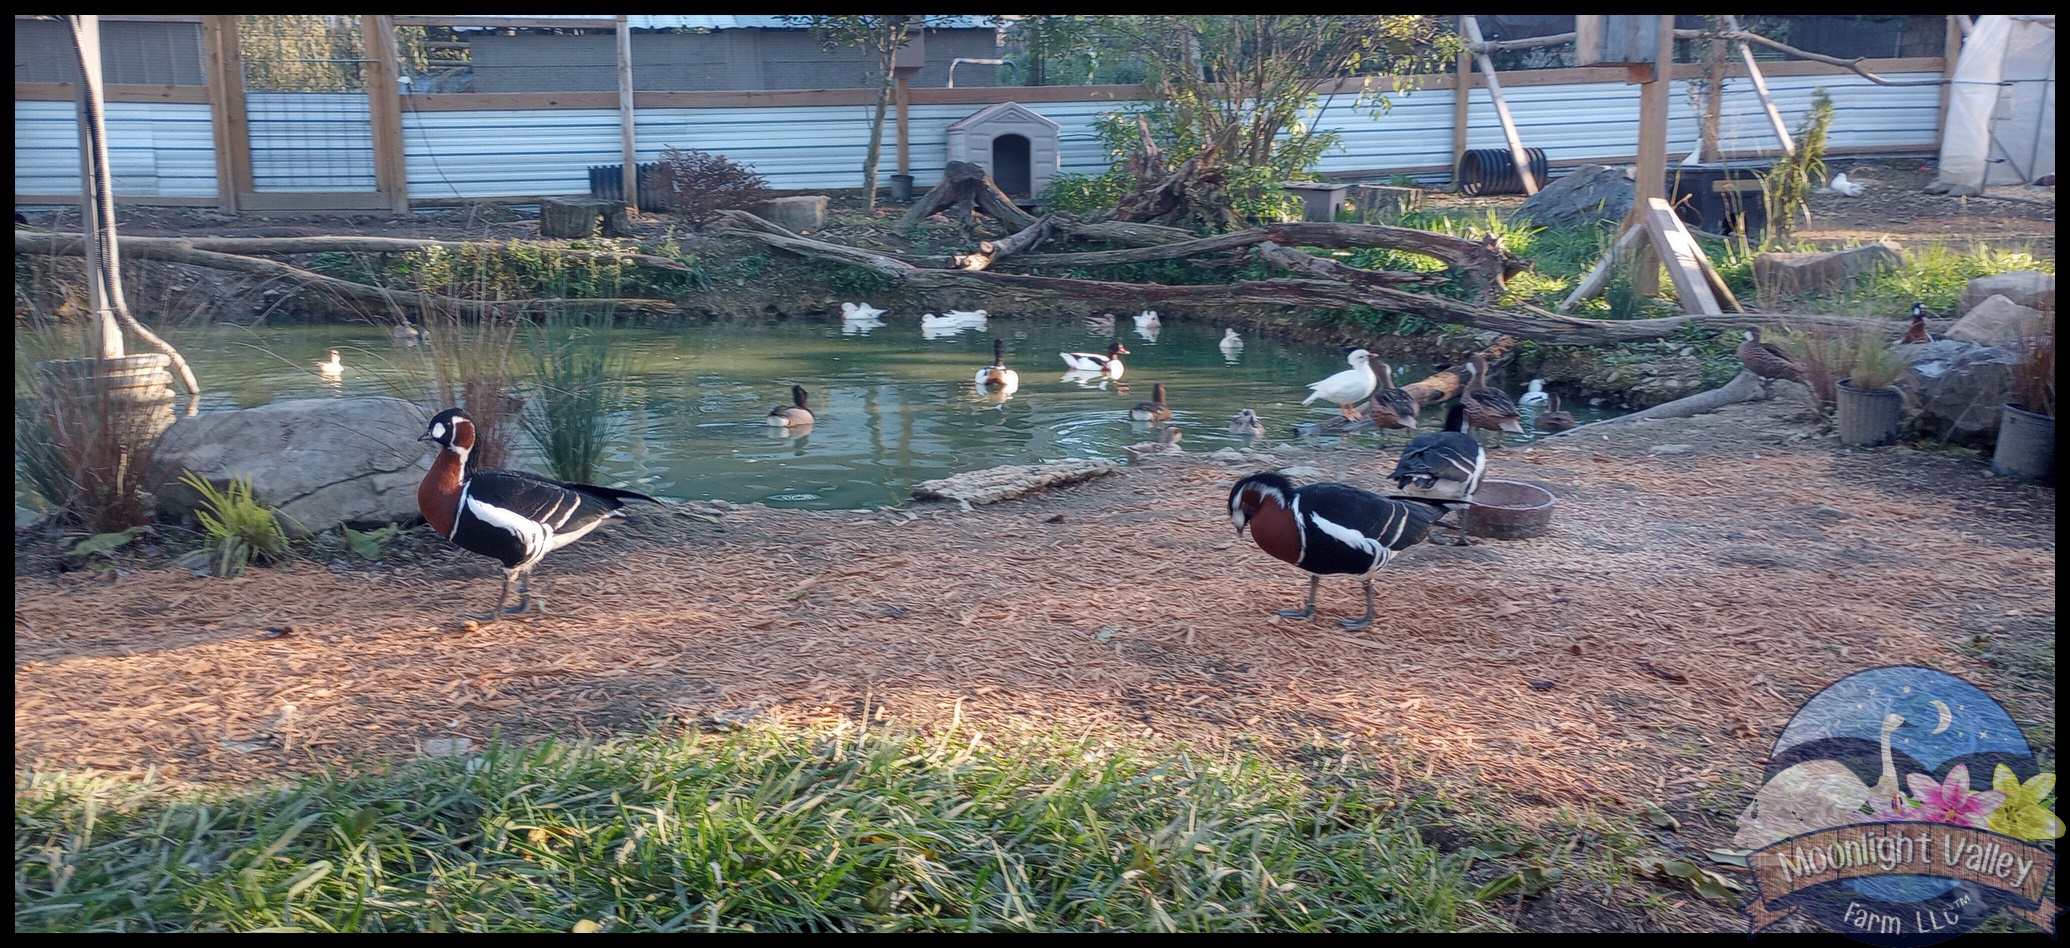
511, 516
1328, 528
1444, 466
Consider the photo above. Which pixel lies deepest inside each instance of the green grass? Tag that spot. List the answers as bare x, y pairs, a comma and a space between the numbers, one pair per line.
764, 829
1933, 274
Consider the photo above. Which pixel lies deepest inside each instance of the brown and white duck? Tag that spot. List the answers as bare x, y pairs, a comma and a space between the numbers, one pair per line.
1487, 407
1768, 360
794, 415
1391, 407
1553, 419
1152, 410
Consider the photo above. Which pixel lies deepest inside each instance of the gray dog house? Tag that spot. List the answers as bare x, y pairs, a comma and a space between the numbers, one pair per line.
1017, 147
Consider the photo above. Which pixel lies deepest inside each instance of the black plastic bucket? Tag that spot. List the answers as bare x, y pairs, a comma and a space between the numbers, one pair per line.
1494, 171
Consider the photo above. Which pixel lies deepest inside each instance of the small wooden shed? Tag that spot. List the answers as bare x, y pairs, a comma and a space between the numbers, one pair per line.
1017, 147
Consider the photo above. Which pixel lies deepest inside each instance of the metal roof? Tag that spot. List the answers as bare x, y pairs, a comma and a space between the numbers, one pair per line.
665, 22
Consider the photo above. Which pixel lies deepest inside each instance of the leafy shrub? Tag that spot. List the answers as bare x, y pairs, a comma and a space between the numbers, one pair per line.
1827, 357
76, 444
239, 528
1788, 185
1876, 362
699, 184
579, 379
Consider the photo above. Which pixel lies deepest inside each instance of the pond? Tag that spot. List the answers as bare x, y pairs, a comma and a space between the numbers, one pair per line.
894, 406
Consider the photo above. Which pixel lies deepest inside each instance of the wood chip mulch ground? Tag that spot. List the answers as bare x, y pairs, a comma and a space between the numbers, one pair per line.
1650, 647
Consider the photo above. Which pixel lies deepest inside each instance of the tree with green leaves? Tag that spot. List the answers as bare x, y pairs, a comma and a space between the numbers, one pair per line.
879, 36
1235, 97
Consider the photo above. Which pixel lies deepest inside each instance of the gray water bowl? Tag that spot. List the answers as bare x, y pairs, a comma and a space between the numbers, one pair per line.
1510, 510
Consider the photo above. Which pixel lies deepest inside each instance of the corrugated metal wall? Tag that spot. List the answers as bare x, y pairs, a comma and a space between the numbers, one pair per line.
154, 150
164, 149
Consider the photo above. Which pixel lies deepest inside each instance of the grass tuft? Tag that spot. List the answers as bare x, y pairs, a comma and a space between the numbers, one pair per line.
764, 830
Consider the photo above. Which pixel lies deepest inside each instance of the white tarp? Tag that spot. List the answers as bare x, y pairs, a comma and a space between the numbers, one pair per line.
2001, 125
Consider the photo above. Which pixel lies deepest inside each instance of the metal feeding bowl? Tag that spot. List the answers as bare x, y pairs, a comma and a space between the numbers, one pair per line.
1510, 510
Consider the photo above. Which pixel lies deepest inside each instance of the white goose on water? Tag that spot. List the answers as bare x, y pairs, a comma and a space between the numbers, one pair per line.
1232, 344
1536, 397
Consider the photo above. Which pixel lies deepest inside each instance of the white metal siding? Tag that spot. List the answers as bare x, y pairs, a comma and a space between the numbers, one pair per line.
165, 150
154, 149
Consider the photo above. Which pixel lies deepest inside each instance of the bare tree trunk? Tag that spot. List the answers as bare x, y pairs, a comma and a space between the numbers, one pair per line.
876, 144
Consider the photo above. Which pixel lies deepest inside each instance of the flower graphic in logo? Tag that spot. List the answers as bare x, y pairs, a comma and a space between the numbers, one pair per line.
1900, 863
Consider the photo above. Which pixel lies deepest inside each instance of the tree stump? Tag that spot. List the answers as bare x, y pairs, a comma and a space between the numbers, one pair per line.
574, 218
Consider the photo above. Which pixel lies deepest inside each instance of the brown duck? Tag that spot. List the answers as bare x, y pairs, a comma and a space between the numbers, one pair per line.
1554, 419
1487, 407
1391, 407
1768, 360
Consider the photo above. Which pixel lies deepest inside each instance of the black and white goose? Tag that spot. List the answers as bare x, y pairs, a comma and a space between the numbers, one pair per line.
1328, 528
511, 516
1443, 466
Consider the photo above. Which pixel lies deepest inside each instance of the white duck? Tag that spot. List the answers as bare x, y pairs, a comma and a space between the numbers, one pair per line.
332, 369
859, 311
1231, 343
997, 378
1108, 365
1841, 185
1147, 319
1536, 396
956, 319
1349, 387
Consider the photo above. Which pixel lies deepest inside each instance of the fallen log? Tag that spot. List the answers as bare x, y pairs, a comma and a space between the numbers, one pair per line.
29, 242
1540, 326
990, 252
1744, 387
395, 303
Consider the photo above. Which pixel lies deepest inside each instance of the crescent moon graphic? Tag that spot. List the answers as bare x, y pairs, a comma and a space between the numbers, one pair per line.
1947, 716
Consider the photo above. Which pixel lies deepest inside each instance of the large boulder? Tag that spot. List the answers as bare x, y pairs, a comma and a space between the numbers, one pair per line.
1590, 195
319, 461
1996, 322
1799, 274
2029, 288
1953, 389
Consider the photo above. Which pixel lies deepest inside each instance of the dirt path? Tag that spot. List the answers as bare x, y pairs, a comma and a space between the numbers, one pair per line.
1704, 577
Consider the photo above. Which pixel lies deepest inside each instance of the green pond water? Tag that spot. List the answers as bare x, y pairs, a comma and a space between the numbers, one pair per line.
893, 406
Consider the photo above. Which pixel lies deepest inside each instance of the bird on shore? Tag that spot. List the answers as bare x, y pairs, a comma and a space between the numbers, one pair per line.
1444, 466
1768, 360
1232, 344
1108, 364
1152, 410
1917, 332
514, 517
1349, 387
1328, 528
1555, 420
1247, 425
1487, 407
1391, 407
333, 368
997, 378
794, 415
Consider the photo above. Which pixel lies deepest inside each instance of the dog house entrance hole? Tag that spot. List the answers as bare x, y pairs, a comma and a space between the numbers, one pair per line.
1012, 168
